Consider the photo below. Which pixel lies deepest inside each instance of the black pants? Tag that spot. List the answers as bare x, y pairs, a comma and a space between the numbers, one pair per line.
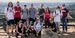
17, 20
33, 20
23, 20
47, 23
34, 32
41, 18
52, 25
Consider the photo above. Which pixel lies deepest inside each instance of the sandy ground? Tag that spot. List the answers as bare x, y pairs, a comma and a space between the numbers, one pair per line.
69, 34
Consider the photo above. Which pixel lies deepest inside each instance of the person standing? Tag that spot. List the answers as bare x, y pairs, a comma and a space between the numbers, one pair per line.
64, 17
25, 14
17, 13
57, 18
47, 17
32, 13
9, 15
41, 12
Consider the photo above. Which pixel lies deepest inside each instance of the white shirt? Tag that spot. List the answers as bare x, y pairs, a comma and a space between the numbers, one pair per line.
57, 15
37, 26
9, 13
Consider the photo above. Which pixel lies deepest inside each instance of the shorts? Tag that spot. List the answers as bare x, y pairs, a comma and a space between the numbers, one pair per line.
16, 20
9, 22
23, 20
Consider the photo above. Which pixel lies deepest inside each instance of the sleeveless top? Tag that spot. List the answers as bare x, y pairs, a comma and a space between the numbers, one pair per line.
20, 29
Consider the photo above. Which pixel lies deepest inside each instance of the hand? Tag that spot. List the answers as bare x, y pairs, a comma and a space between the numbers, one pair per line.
20, 34
50, 19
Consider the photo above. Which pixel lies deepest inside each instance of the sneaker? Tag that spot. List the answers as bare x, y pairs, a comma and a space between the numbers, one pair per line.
26, 35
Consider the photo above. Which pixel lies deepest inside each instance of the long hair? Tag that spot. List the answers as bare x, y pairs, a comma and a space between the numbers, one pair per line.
48, 10
10, 4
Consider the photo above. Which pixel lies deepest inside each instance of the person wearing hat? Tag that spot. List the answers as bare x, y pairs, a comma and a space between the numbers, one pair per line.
9, 15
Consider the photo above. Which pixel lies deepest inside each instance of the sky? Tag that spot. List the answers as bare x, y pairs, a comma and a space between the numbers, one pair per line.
39, 1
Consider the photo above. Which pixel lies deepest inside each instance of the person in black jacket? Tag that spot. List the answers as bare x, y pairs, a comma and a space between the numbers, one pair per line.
41, 12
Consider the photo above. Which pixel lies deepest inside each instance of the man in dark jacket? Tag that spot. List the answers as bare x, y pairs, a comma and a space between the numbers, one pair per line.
41, 12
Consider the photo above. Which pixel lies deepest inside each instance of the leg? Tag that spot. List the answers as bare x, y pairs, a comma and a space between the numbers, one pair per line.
65, 23
58, 25
63, 20
49, 24
55, 27
33, 20
7, 27
39, 33
25, 33
17, 35
34, 32
46, 23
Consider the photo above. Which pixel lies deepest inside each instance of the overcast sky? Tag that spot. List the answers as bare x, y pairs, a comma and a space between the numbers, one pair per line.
38, 1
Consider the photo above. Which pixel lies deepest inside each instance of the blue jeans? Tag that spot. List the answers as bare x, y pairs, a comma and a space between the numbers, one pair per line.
64, 23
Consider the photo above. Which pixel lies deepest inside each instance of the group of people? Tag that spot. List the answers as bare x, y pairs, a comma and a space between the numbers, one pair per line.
26, 20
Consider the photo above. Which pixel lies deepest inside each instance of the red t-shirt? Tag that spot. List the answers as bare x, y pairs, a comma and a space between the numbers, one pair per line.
17, 13
65, 12
47, 15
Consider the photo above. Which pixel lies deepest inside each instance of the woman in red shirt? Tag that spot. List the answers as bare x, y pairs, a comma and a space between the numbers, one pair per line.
47, 17
17, 13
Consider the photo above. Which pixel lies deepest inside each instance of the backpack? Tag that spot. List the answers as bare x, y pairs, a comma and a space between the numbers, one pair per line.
55, 11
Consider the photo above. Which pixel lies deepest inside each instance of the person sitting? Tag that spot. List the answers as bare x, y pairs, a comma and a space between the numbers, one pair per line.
25, 32
37, 27
19, 29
